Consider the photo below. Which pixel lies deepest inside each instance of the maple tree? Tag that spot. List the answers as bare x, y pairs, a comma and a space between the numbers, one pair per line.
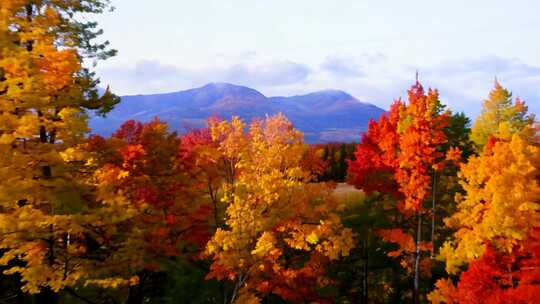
45, 94
375, 165
280, 230
206, 166
398, 156
150, 209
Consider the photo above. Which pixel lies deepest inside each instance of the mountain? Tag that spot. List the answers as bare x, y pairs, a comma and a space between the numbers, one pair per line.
323, 116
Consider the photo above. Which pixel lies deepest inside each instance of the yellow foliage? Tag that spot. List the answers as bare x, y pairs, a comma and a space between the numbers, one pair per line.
271, 204
501, 118
246, 297
501, 201
44, 94
264, 244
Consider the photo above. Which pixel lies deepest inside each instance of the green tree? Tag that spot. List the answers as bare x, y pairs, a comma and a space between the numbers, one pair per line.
501, 117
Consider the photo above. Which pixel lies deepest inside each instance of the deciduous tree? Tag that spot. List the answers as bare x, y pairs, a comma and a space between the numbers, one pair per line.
44, 96
501, 117
151, 208
399, 156
501, 202
280, 230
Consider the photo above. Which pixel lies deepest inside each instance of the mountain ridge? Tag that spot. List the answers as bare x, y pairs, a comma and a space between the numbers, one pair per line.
324, 116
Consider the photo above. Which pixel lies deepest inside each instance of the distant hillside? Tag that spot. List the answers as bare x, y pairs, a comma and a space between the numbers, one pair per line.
323, 116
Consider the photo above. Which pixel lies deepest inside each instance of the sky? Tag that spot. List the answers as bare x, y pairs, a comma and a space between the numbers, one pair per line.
368, 48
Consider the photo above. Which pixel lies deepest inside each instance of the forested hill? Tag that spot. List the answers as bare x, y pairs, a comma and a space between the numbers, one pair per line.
323, 116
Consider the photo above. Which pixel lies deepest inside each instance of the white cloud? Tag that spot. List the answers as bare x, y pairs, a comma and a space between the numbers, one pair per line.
150, 76
370, 77
342, 67
465, 84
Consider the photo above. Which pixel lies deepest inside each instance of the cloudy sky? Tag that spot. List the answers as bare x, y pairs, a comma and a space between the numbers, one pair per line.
369, 48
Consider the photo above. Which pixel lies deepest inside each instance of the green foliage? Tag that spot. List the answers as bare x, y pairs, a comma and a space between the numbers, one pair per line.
184, 283
336, 157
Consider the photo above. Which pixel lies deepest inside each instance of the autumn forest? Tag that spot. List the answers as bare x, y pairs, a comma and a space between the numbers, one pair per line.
428, 206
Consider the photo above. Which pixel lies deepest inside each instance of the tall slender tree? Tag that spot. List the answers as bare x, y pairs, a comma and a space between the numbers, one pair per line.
398, 156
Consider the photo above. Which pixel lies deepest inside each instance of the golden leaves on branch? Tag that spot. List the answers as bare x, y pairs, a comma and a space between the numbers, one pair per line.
272, 208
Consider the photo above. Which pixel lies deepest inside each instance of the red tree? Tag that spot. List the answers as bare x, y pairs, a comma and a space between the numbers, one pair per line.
398, 156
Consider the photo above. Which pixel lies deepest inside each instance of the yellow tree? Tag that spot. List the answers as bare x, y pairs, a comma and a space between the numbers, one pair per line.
501, 184
501, 201
496, 225
501, 117
44, 95
498, 211
280, 229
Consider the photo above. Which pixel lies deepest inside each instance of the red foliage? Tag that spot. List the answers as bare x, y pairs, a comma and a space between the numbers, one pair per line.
95, 143
492, 140
311, 162
397, 153
503, 278
294, 284
193, 139
375, 165
421, 135
153, 165
130, 131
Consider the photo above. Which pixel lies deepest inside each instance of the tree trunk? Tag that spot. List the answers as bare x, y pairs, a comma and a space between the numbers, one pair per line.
396, 296
365, 294
416, 294
136, 292
433, 208
47, 295
135, 295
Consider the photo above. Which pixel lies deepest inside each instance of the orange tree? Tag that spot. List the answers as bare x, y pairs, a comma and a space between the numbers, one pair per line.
398, 157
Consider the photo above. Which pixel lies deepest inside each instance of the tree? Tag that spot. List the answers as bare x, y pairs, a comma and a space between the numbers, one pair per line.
496, 225
421, 127
501, 201
206, 166
151, 210
500, 118
280, 230
399, 155
375, 164
44, 95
